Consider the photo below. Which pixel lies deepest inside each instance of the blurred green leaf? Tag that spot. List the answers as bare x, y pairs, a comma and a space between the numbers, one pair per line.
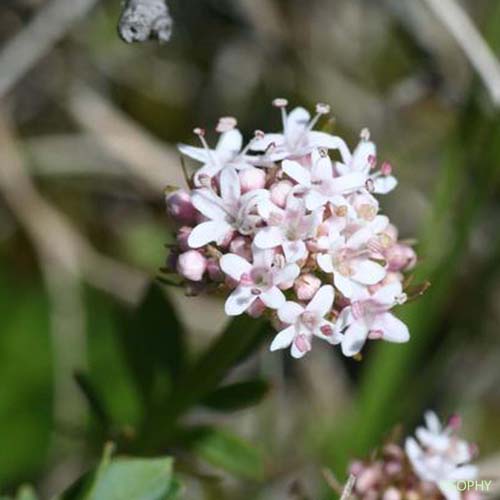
154, 343
237, 396
228, 451
126, 479
93, 398
26, 492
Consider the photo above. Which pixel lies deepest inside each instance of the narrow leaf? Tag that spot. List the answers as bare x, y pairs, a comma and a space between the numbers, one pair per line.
237, 396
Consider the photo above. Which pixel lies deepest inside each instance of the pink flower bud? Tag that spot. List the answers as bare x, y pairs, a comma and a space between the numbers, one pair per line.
182, 237
306, 286
400, 257
386, 168
368, 478
180, 208
392, 494
241, 246
252, 178
279, 192
192, 265
214, 271
455, 422
256, 309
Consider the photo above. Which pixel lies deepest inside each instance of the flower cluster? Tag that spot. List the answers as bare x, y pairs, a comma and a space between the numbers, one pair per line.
432, 468
289, 224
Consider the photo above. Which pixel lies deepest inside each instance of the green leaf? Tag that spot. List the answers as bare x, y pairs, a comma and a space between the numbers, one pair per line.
153, 340
26, 492
237, 396
228, 451
93, 399
125, 479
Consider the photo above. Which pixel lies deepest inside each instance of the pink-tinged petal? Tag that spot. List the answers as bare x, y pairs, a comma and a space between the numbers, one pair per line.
368, 272
432, 421
364, 152
273, 298
322, 301
384, 185
324, 261
379, 224
206, 232
342, 168
322, 168
283, 339
208, 170
464, 473
298, 173
289, 312
294, 250
327, 331
359, 238
230, 185
239, 301
296, 124
289, 273
324, 140
198, 154
314, 200
347, 183
394, 329
268, 237
301, 346
345, 319
387, 294
413, 450
354, 338
343, 284
266, 141
230, 142
207, 204
234, 266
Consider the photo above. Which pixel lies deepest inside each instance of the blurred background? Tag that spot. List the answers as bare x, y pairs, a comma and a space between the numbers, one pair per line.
88, 127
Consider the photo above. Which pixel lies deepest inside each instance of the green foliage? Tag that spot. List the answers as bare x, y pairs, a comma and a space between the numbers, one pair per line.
237, 396
127, 478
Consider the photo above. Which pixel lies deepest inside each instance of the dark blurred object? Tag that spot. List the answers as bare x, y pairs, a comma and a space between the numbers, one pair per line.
142, 20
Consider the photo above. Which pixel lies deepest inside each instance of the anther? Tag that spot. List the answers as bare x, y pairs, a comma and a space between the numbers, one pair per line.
226, 123
365, 135
386, 168
279, 102
322, 108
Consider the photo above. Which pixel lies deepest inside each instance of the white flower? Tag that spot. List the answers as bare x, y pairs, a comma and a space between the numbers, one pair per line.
289, 228
318, 184
440, 457
298, 138
228, 212
306, 322
370, 315
226, 154
257, 280
362, 161
347, 258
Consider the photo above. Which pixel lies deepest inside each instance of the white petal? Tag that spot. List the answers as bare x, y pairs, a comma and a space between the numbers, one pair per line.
283, 339
289, 312
206, 232
343, 284
208, 170
354, 338
234, 265
297, 172
287, 274
324, 140
199, 154
322, 301
314, 200
394, 329
230, 142
273, 298
432, 421
361, 155
384, 185
230, 185
239, 301
378, 224
368, 272
324, 261
464, 473
322, 168
296, 352
294, 250
347, 183
268, 237
359, 238
296, 123
335, 337
206, 203
387, 294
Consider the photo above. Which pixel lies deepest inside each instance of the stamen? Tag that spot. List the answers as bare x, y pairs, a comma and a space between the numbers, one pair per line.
322, 108
370, 185
365, 135
326, 330
323, 152
281, 104
226, 123
256, 291
357, 309
200, 132
401, 299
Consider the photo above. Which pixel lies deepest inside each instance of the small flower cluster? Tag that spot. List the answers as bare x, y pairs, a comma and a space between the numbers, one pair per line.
290, 230
430, 468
